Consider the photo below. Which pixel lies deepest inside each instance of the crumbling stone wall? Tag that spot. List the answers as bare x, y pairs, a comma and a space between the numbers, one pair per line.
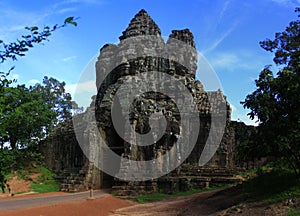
63, 155
150, 102
63, 152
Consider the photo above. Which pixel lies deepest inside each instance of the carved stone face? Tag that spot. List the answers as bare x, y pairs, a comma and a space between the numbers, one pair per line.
148, 99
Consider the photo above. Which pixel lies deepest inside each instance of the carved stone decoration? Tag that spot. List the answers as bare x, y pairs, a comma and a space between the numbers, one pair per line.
189, 174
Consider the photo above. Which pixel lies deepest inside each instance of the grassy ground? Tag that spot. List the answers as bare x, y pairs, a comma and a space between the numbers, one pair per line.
266, 187
45, 182
146, 198
39, 179
293, 212
275, 186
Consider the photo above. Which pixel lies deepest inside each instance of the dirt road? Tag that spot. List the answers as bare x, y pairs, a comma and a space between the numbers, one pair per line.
215, 203
32, 201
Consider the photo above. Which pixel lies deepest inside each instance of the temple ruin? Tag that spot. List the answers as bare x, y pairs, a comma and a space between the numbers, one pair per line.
64, 155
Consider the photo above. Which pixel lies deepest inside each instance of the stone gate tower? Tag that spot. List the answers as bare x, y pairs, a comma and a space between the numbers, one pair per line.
110, 76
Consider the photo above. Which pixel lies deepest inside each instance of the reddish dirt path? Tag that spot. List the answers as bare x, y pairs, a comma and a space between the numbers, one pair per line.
225, 202
170, 207
100, 207
6, 196
219, 202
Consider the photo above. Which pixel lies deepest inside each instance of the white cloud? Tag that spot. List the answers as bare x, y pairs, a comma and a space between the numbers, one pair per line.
33, 81
88, 86
224, 8
226, 60
14, 76
69, 58
247, 120
281, 1
66, 10
14, 20
237, 60
68, 2
85, 1
233, 108
287, 3
240, 114
82, 92
219, 40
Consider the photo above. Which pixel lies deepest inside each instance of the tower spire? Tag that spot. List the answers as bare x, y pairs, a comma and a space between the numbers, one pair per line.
141, 24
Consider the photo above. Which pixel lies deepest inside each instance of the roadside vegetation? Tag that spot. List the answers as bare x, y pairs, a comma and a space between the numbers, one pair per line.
146, 198
45, 181
34, 179
28, 113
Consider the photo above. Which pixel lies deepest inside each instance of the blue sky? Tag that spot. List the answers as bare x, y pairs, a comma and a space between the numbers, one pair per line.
227, 33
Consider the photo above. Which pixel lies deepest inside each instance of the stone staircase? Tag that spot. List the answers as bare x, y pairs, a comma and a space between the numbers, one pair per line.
211, 172
133, 188
183, 179
196, 177
73, 180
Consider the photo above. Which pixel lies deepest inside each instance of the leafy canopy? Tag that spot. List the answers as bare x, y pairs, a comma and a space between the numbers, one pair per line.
30, 113
276, 101
27, 114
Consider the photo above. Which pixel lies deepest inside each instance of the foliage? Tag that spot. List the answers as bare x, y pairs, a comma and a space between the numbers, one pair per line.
274, 186
49, 186
246, 138
6, 161
293, 212
46, 181
14, 50
32, 112
35, 36
145, 198
17, 98
276, 101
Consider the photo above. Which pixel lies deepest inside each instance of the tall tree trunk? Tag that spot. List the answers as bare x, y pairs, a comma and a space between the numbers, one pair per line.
13, 143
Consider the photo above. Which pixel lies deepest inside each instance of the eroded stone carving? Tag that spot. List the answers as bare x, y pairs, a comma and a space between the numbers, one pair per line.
220, 167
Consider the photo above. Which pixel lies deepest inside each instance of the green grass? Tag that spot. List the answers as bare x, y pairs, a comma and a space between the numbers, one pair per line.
47, 186
146, 198
45, 174
274, 186
45, 181
293, 212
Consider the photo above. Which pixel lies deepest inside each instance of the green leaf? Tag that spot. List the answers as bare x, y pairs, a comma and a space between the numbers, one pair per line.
34, 28
69, 20
73, 23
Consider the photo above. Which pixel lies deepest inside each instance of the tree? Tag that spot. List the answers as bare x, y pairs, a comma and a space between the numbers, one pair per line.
246, 138
17, 49
32, 112
12, 51
276, 101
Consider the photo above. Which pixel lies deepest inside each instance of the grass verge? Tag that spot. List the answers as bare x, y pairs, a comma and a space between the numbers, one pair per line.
154, 197
293, 212
45, 182
274, 186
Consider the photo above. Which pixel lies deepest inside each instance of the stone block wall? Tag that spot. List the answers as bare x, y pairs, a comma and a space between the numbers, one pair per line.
63, 153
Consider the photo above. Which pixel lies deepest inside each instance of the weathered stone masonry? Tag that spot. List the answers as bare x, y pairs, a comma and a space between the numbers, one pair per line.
64, 155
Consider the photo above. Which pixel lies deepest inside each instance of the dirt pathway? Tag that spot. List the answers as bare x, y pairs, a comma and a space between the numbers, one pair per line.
224, 202
97, 207
39, 200
212, 203
170, 207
